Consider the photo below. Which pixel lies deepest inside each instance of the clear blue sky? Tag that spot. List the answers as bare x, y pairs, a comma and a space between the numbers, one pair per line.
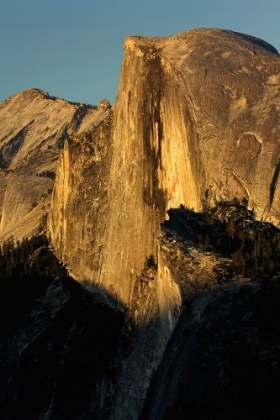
73, 49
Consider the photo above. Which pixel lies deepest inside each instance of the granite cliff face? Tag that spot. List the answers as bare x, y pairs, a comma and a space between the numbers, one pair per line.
77, 218
196, 121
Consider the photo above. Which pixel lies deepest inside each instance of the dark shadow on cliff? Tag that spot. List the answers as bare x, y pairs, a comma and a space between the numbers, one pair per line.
274, 182
259, 42
58, 341
222, 360
229, 230
64, 350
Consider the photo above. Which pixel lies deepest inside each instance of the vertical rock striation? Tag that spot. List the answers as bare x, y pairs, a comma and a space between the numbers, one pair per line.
196, 120
77, 217
154, 137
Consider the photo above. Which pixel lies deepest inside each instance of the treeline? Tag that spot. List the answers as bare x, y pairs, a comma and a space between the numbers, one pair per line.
47, 174
254, 246
230, 229
14, 255
259, 251
27, 269
54, 98
25, 274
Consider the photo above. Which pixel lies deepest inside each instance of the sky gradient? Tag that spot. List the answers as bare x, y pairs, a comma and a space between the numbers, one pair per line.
73, 49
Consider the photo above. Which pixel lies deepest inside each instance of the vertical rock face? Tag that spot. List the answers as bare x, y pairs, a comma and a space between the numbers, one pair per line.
77, 216
150, 164
230, 81
196, 120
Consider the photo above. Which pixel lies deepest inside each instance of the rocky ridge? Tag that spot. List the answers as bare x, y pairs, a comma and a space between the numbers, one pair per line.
33, 128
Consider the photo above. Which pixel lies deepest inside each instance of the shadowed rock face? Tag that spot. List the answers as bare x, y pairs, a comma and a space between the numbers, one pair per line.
221, 361
57, 344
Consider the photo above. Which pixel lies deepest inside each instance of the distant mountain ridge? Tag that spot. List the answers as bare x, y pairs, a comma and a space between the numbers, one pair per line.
33, 128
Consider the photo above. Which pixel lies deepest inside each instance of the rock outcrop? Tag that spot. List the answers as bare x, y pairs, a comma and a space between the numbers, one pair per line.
33, 128
78, 214
196, 120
